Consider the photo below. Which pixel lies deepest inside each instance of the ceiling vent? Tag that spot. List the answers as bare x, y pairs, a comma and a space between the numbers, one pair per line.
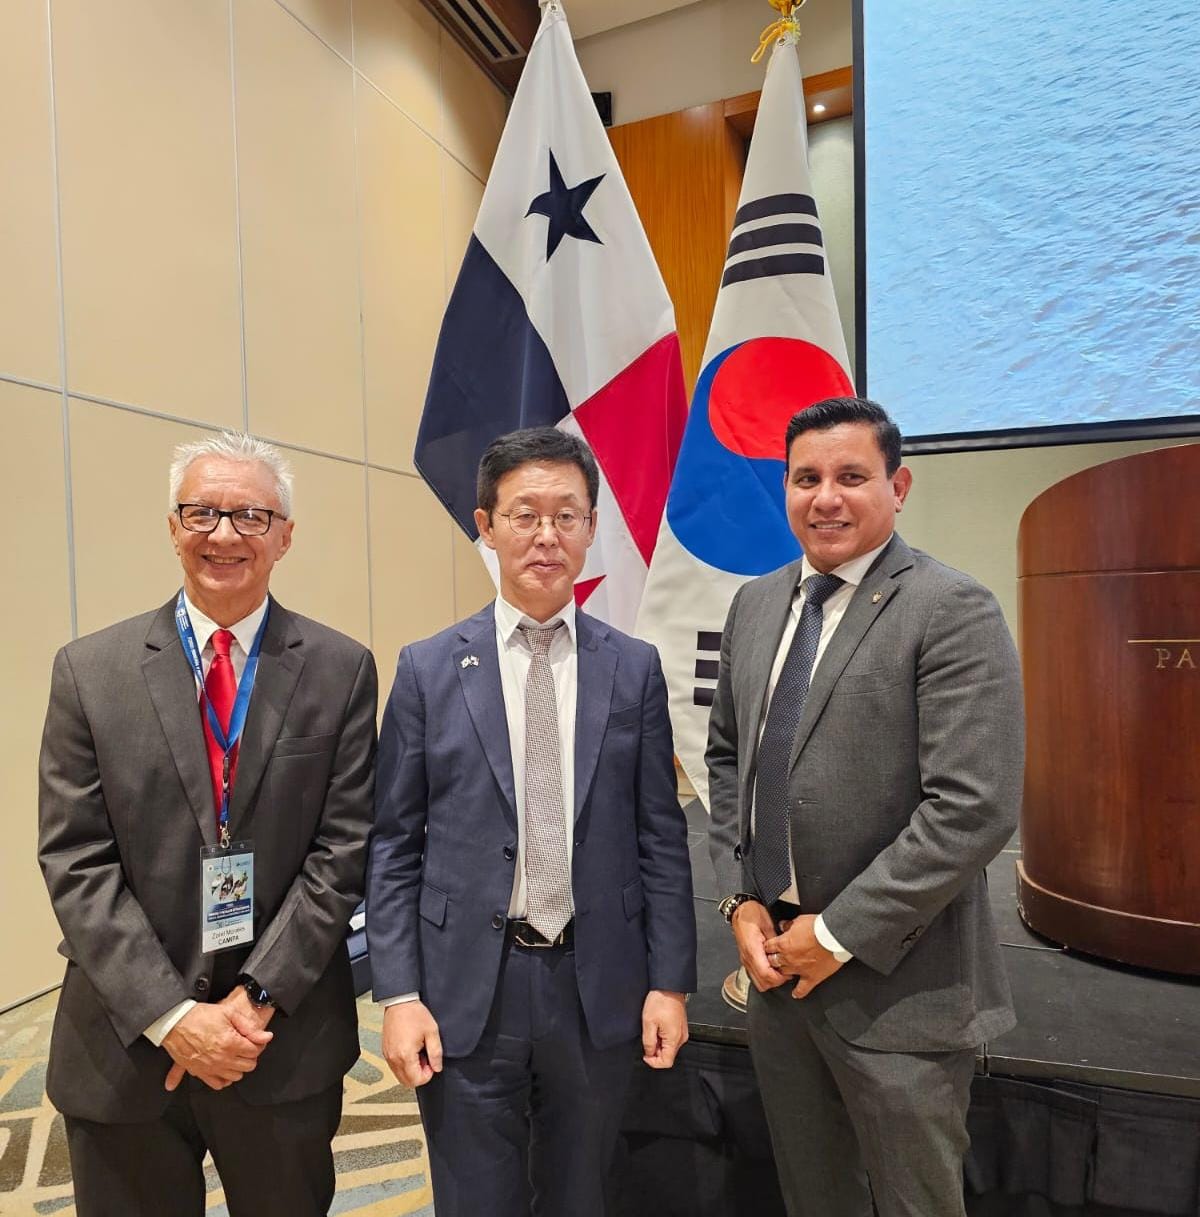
497, 33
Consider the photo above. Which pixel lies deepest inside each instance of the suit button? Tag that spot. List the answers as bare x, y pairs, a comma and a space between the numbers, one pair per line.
509, 853
201, 985
737, 853
498, 922
578, 842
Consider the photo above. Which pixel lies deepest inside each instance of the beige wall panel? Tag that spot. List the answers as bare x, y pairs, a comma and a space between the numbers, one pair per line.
411, 571
295, 122
328, 19
324, 574
965, 507
146, 170
29, 314
33, 624
124, 563
396, 48
463, 194
831, 159
473, 586
400, 191
473, 109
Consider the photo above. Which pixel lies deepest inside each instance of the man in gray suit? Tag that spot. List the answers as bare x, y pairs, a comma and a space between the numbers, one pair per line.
207, 777
865, 763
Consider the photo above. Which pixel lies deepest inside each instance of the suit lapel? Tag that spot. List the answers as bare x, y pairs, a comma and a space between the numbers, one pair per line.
281, 660
597, 668
768, 630
871, 597
477, 662
173, 693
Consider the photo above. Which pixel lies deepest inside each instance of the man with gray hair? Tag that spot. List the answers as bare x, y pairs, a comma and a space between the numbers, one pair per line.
206, 784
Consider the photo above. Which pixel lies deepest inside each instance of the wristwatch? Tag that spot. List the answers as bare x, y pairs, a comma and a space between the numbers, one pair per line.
258, 996
731, 904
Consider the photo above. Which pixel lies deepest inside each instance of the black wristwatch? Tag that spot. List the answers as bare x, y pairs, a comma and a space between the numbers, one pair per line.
259, 997
731, 904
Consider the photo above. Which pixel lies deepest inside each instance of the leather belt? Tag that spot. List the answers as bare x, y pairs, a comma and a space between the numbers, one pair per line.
524, 935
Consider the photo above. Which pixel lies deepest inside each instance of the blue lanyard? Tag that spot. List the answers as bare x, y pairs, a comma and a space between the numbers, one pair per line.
237, 719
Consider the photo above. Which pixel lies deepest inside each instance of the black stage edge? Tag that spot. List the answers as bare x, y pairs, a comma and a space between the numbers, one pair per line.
1090, 1107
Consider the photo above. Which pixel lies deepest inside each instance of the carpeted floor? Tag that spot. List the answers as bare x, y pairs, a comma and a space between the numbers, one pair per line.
379, 1150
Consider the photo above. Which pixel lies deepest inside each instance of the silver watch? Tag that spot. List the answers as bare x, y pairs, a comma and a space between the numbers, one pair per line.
731, 904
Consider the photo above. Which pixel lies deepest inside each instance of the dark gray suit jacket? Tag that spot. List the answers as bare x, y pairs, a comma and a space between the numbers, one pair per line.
444, 846
906, 781
126, 805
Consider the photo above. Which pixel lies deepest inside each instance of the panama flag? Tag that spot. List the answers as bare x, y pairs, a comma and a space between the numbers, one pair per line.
560, 318
775, 347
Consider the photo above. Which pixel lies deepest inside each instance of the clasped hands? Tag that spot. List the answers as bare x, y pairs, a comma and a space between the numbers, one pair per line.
772, 958
218, 1042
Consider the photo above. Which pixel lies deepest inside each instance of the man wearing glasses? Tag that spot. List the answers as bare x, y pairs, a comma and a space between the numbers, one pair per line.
529, 908
207, 776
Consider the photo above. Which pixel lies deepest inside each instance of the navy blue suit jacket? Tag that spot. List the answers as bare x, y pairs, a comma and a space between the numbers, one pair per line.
444, 845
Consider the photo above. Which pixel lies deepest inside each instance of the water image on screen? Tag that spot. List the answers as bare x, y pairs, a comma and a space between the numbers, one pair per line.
1032, 224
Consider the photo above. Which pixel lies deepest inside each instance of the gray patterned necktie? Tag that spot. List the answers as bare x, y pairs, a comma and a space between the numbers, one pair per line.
771, 853
547, 876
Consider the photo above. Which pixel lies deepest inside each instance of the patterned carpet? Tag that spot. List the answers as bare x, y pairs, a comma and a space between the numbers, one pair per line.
379, 1150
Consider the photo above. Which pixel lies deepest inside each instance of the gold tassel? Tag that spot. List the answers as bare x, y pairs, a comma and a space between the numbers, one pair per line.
786, 24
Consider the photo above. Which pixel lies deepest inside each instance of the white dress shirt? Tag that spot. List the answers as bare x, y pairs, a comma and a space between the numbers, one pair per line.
243, 639
852, 574
515, 654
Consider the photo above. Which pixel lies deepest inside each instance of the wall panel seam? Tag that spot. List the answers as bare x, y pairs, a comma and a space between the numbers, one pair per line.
237, 220
62, 331
362, 336
323, 41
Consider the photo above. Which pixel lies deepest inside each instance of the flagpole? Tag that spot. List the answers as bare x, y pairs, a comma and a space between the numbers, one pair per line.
785, 31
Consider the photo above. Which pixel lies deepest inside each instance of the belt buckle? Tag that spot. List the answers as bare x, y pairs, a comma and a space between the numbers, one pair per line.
525, 943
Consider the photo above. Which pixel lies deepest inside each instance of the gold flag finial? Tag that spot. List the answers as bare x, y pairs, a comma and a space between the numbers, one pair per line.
785, 27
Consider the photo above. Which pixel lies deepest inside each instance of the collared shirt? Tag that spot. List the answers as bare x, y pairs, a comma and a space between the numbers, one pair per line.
852, 574
243, 636
515, 656
243, 639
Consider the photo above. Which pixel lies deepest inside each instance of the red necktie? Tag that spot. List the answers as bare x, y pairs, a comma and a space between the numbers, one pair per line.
220, 690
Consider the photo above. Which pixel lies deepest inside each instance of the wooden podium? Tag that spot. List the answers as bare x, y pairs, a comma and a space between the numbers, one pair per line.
1109, 581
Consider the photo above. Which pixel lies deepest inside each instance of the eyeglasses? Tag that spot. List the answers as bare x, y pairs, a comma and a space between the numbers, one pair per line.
246, 521
525, 523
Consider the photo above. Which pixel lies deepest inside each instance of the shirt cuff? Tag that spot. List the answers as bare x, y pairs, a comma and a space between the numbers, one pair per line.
161, 1027
395, 1001
827, 940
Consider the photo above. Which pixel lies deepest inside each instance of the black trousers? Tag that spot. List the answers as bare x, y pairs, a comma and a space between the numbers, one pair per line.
528, 1122
274, 1161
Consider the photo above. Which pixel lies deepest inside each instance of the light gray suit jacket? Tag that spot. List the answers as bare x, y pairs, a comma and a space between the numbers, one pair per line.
126, 805
906, 781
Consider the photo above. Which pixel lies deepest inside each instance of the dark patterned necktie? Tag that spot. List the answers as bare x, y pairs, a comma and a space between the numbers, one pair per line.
547, 875
771, 855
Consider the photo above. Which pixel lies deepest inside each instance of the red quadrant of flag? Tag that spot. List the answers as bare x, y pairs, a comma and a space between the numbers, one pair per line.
635, 440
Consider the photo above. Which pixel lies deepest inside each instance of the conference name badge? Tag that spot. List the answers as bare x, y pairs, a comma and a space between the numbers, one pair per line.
226, 896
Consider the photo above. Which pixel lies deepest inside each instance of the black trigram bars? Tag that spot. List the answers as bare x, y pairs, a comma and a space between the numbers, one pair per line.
786, 229
708, 662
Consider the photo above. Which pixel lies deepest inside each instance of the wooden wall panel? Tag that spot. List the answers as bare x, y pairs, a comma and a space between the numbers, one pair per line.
684, 171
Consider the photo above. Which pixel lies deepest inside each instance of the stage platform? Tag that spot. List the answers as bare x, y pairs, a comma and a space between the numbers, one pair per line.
1079, 1019
1090, 1107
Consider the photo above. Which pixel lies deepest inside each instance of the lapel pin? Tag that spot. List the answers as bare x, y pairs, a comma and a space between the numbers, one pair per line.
877, 597
470, 661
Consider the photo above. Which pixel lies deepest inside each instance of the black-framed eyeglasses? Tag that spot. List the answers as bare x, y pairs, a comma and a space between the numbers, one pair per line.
246, 521
526, 522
